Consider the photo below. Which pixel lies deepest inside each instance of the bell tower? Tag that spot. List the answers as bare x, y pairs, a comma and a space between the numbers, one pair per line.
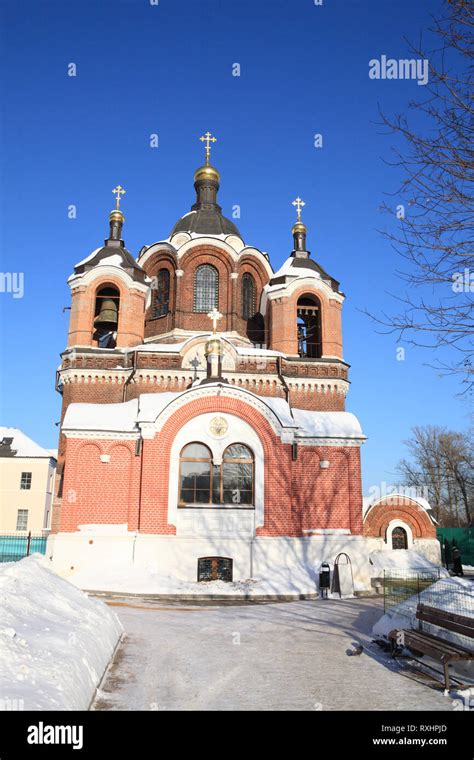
304, 309
108, 293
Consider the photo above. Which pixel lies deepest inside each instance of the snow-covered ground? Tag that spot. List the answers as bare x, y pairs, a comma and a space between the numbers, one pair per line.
274, 656
55, 642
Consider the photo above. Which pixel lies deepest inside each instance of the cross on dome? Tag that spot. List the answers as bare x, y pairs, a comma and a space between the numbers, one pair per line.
208, 139
118, 191
299, 203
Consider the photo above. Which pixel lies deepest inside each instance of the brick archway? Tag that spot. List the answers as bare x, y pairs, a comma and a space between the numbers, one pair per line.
402, 508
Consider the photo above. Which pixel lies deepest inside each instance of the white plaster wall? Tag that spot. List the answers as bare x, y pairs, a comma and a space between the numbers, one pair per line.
398, 524
216, 521
278, 560
429, 547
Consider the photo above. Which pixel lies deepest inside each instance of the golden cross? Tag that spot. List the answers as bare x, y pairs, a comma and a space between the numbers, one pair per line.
299, 205
118, 191
208, 138
215, 315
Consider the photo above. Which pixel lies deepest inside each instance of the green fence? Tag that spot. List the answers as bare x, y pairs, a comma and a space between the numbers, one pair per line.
15, 546
463, 538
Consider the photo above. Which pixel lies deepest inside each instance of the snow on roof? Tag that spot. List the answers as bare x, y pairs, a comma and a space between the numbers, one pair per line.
127, 416
114, 260
251, 351
281, 409
24, 446
111, 417
152, 404
88, 258
371, 501
288, 270
327, 424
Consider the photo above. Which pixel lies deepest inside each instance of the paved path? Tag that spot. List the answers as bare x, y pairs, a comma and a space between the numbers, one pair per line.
289, 656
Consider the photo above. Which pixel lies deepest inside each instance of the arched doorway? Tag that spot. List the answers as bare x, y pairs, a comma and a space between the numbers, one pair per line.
399, 538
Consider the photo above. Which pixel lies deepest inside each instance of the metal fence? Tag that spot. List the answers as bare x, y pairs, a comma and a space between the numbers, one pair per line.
400, 585
404, 590
15, 546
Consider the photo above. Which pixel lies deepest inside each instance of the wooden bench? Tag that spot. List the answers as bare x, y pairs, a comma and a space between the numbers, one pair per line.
426, 643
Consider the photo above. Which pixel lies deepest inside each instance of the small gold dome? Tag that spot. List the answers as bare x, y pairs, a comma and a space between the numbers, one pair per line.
299, 227
207, 172
213, 346
116, 216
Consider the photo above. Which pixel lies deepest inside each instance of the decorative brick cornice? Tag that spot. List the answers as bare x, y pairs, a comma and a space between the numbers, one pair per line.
165, 376
339, 442
105, 435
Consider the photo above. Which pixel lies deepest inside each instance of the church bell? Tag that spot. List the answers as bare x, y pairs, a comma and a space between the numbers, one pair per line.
108, 314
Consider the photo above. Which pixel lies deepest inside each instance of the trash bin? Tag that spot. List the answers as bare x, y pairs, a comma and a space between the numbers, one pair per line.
324, 579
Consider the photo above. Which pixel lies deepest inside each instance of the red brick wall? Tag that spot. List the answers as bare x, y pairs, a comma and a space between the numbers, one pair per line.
327, 498
298, 494
96, 491
156, 326
182, 289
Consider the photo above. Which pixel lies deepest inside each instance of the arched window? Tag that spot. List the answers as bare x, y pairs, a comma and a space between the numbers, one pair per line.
248, 296
308, 314
195, 474
161, 299
203, 482
106, 313
399, 538
237, 475
206, 288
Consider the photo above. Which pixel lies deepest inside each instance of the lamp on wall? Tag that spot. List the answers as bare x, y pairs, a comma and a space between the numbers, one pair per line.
324, 464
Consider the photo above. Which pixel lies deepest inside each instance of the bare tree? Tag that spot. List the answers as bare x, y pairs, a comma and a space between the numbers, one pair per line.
435, 204
442, 463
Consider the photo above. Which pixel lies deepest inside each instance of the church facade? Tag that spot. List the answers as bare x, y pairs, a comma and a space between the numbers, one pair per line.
203, 415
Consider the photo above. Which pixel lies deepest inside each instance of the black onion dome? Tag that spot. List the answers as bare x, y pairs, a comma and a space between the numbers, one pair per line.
206, 221
205, 217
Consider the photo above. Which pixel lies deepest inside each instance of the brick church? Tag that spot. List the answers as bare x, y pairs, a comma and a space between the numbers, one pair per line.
203, 423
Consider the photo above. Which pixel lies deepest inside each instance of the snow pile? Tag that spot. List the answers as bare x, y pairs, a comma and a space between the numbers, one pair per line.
402, 560
55, 642
140, 579
448, 594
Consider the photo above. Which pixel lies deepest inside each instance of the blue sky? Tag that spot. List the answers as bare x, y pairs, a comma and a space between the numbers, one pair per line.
167, 69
